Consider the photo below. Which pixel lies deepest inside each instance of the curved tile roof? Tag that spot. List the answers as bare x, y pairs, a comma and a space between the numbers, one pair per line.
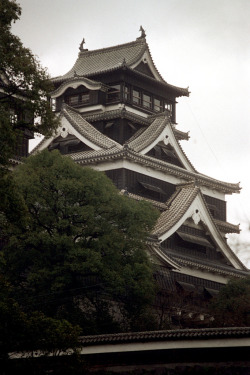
101, 60
178, 204
160, 165
151, 133
209, 266
227, 227
86, 129
156, 131
178, 334
95, 155
94, 85
121, 113
128, 55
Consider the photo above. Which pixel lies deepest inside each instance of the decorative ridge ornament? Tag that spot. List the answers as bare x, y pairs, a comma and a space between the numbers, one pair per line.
143, 34
81, 49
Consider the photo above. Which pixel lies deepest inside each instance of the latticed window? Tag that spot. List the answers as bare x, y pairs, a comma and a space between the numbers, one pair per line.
136, 97
78, 99
84, 98
146, 101
126, 93
168, 107
73, 99
158, 105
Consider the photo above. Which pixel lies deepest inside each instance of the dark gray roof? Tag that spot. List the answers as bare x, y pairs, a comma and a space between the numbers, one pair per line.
91, 63
169, 335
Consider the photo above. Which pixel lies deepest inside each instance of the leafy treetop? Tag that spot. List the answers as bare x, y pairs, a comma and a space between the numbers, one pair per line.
81, 240
24, 86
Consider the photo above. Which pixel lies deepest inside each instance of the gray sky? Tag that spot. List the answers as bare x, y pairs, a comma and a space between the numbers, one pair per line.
203, 44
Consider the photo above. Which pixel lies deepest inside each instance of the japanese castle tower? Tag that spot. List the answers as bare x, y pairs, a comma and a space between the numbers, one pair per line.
118, 115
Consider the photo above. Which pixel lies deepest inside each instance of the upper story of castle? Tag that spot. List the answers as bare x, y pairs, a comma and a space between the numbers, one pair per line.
108, 78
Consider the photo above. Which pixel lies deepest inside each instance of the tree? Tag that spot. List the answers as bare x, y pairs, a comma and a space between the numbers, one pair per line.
24, 87
232, 306
80, 254
21, 331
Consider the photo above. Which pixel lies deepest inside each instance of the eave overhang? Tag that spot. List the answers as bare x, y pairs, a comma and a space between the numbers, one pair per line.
121, 57
75, 82
215, 268
188, 202
89, 158
160, 131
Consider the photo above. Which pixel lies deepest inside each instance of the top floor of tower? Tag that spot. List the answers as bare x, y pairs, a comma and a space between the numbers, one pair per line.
105, 79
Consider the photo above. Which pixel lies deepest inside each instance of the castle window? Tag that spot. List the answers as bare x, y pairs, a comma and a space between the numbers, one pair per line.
136, 97
168, 107
53, 104
146, 101
126, 93
84, 98
78, 99
157, 105
73, 100
114, 94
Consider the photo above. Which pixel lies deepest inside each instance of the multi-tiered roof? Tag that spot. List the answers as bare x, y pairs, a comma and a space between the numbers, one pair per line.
118, 115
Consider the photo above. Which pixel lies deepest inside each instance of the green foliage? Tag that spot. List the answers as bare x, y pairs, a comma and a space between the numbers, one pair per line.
232, 306
24, 87
83, 244
19, 330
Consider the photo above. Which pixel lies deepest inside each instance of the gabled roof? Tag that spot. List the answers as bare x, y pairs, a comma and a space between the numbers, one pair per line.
126, 114
160, 130
187, 202
106, 149
84, 128
104, 60
73, 123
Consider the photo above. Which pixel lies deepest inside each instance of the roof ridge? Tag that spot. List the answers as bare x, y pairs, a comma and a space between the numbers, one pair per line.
123, 45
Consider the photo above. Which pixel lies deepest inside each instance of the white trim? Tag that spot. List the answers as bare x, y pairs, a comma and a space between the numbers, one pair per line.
89, 109
161, 345
208, 275
135, 167
198, 205
65, 123
166, 344
75, 85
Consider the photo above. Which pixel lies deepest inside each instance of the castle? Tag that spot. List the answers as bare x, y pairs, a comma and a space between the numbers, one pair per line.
118, 115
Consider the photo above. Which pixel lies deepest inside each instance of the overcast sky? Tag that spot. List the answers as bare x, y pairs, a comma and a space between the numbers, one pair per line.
200, 44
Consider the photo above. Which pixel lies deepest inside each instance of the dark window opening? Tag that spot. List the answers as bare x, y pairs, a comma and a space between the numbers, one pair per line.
136, 97
114, 94
146, 101
169, 107
78, 99
126, 93
158, 106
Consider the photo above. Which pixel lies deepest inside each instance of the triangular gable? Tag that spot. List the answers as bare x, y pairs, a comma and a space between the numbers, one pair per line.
186, 203
160, 130
73, 123
149, 65
145, 69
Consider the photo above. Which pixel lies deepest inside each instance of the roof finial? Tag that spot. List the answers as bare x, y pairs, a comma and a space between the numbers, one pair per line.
143, 34
81, 46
